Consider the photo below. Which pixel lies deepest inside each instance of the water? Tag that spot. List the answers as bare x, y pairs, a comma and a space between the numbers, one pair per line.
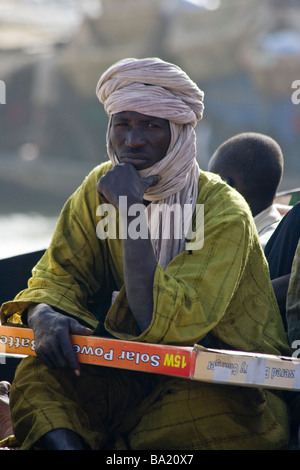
23, 233
32, 194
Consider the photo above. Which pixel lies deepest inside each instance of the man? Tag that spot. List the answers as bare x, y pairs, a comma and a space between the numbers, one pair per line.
253, 164
166, 289
280, 252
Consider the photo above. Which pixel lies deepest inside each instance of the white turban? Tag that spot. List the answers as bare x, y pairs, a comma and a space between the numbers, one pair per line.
157, 88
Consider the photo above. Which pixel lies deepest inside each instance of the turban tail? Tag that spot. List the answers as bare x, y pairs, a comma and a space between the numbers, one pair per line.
157, 88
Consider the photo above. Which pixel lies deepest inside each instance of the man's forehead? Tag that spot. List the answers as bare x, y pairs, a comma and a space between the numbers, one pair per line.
135, 116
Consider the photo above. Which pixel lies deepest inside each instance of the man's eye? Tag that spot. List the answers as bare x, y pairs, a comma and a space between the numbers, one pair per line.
120, 124
152, 125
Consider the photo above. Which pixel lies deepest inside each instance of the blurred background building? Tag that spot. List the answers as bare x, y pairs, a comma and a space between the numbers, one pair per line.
244, 54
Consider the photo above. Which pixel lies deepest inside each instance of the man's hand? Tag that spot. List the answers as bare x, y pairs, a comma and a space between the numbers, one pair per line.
124, 180
52, 332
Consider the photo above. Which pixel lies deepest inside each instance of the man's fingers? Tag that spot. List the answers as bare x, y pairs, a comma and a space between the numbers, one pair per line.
75, 329
71, 358
64, 351
47, 359
78, 329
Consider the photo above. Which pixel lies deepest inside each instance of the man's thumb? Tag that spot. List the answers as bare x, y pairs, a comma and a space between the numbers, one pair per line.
151, 180
77, 329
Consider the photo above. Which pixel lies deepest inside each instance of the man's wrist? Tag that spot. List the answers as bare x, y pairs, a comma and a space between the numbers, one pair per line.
33, 311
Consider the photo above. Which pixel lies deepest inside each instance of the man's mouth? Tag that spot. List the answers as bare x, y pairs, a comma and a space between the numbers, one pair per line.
132, 157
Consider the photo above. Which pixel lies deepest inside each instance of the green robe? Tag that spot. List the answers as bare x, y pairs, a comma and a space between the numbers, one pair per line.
220, 294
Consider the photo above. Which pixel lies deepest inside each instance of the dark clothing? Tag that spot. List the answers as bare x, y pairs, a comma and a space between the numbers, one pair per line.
281, 247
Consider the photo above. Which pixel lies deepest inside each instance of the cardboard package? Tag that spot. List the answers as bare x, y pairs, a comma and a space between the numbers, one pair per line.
195, 363
247, 369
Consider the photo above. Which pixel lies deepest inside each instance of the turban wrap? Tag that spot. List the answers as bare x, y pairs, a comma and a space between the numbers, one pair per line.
157, 88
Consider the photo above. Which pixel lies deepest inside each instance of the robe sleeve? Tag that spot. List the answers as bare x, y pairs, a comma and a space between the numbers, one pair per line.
74, 268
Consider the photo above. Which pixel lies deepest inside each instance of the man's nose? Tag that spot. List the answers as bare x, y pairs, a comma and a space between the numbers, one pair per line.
134, 138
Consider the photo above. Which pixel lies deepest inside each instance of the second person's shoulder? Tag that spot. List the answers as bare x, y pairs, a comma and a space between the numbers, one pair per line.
213, 191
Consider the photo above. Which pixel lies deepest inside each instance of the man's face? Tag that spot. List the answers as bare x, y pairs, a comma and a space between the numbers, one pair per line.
139, 139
